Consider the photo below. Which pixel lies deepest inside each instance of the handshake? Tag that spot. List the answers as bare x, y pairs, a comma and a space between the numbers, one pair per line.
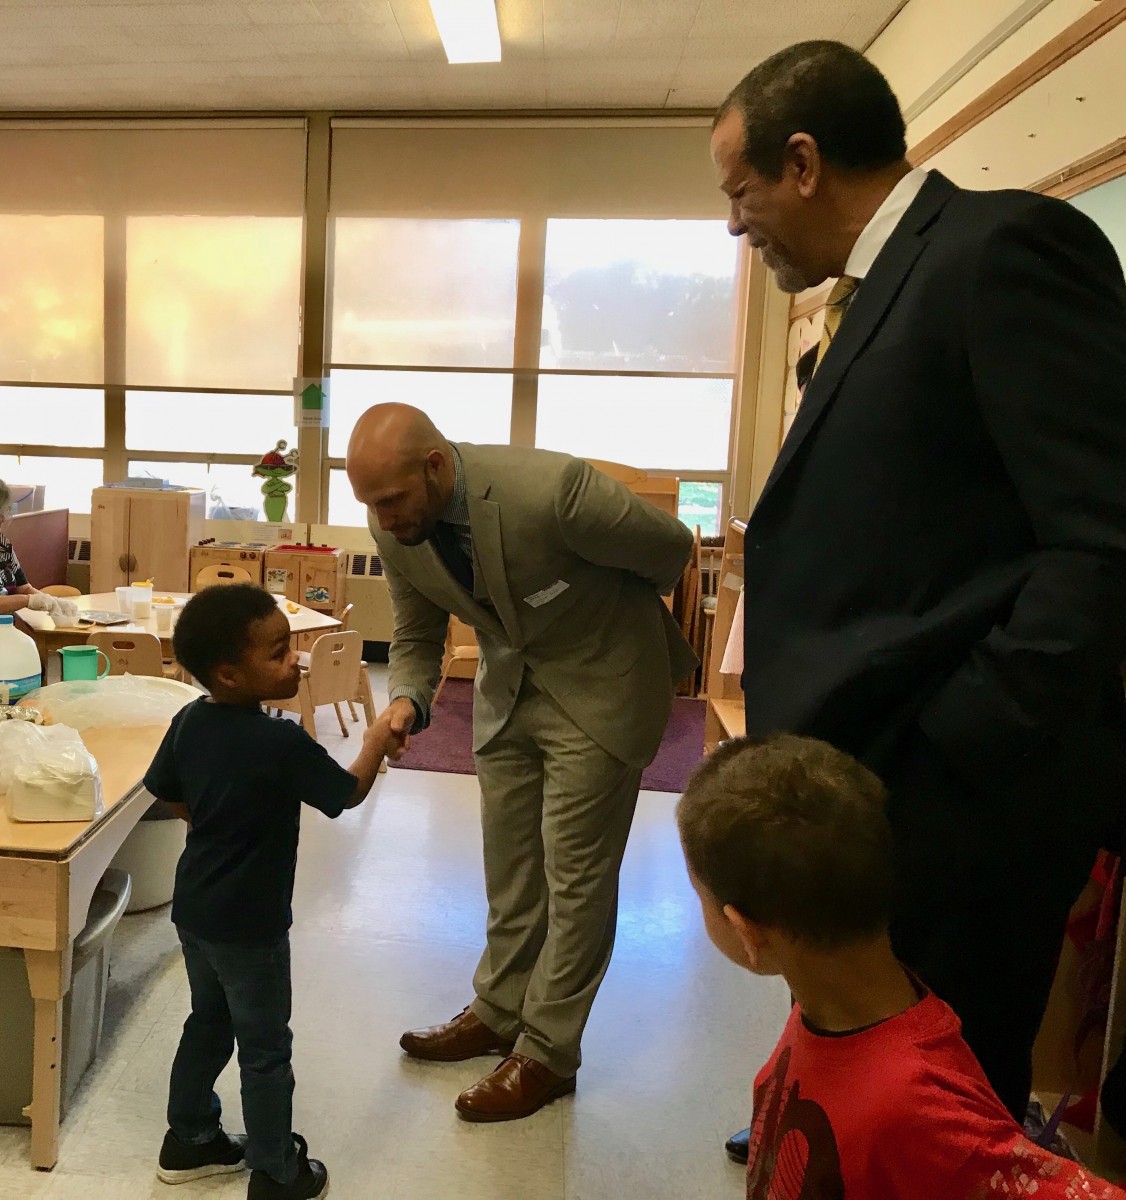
62, 612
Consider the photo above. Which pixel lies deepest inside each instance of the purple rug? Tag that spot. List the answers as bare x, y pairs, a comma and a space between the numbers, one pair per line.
448, 744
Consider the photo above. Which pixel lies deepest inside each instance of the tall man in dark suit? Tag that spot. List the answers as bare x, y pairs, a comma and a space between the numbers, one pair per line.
936, 568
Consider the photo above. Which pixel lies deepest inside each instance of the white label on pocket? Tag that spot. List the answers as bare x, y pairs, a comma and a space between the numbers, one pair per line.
548, 594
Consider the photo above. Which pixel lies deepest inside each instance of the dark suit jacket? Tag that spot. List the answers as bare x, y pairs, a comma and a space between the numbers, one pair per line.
940, 549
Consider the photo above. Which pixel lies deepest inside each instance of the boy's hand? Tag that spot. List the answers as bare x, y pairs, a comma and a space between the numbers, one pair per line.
383, 734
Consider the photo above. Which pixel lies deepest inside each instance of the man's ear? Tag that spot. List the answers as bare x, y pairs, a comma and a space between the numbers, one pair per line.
802, 159
750, 933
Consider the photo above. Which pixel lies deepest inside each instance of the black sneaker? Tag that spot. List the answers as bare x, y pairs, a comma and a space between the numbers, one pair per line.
738, 1146
311, 1182
181, 1164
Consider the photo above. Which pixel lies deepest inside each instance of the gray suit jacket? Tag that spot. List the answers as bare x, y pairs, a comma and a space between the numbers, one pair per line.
568, 566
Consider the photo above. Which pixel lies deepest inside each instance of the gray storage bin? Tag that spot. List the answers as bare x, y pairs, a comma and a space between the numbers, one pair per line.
83, 1007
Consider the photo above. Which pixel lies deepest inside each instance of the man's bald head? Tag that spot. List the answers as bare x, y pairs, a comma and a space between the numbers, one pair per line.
402, 469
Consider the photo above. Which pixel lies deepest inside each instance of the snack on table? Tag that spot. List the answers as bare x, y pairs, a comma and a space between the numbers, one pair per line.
163, 600
293, 608
26, 713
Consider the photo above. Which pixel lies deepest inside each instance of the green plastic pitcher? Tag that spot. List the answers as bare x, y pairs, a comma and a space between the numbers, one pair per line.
81, 662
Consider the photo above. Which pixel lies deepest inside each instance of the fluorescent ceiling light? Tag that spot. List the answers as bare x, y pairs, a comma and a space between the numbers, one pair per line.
468, 29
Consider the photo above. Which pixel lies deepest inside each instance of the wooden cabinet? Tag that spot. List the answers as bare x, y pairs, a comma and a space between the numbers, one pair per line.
308, 575
142, 533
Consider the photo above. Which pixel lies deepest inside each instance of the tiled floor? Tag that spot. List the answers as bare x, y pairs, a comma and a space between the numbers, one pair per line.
389, 914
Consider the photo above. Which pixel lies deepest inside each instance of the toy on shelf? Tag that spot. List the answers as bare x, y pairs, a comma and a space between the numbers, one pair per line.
275, 468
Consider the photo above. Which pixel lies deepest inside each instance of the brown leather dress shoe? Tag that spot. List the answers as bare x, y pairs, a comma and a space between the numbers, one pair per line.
517, 1088
466, 1036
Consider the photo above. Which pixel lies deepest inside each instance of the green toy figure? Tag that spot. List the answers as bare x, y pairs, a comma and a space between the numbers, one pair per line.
275, 469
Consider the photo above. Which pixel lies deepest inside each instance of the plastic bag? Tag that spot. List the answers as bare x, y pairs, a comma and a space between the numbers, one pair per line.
48, 774
115, 700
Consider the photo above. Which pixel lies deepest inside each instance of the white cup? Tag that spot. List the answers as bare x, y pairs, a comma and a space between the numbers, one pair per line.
124, 600
142, 601
163, 609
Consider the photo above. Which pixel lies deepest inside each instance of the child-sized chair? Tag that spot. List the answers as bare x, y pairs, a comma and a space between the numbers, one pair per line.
221, 573
129, 653
61, 591
336, 674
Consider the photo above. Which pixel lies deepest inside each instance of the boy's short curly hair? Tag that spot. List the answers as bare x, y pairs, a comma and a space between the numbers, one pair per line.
214, 627
792, 834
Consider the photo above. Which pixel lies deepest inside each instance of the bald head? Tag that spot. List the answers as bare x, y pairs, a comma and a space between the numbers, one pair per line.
402, 469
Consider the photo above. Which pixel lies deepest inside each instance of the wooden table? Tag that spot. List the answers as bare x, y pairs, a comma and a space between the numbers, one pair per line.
48, 636
48, 874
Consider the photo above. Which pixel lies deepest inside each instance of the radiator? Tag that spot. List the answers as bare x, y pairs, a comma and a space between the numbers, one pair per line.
78, 564
365, 588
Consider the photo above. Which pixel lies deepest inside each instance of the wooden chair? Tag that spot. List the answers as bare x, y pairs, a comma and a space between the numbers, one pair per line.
209, 576
130, 653
461, 657
336, 675
303, 655
62, 591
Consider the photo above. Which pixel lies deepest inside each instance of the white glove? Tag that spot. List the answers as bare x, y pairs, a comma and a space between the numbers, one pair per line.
65, 612
42, 602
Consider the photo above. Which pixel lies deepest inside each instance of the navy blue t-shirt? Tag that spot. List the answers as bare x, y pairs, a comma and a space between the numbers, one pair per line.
243, 776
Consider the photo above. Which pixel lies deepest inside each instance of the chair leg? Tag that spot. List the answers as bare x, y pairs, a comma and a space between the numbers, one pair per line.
363, 695
352, 710
340, 718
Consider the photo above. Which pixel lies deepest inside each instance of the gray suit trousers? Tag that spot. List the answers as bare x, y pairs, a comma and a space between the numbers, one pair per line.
556, 811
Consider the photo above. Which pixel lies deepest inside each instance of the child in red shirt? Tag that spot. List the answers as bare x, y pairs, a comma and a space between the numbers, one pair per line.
871, 1093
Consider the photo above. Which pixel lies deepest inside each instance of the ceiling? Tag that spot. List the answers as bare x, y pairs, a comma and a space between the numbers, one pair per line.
374, 55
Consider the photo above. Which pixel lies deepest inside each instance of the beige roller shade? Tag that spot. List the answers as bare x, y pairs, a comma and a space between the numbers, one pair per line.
564, 169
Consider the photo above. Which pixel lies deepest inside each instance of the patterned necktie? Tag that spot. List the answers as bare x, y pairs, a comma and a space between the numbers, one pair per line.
835, 308
450, 552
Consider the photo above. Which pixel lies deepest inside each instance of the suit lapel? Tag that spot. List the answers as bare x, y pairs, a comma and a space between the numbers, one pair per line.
488, 558
457, 599
874, 297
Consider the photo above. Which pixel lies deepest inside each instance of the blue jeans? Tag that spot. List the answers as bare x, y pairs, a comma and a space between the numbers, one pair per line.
239, 994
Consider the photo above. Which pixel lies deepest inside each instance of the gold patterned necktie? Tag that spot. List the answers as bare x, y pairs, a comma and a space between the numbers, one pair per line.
835, 308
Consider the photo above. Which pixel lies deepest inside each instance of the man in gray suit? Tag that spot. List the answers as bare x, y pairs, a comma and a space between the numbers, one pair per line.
560, 571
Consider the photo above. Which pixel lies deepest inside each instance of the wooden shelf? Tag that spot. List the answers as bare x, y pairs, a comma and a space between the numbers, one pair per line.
725, 718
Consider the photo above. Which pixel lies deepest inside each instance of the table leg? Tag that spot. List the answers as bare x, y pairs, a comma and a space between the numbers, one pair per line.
48, 972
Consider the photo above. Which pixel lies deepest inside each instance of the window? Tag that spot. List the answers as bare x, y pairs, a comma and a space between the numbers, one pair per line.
639, 296
68, 481
213, 301
44, 416
701, 504
51, 304
419, 292
233, 493
343, 507
466, 407
657, 424
415, 292
206, 422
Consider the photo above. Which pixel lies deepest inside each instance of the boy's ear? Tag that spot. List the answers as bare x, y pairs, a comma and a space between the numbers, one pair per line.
227, 675
752, 935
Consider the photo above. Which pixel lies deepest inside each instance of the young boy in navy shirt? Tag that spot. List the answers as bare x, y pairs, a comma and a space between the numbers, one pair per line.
239, 778
871, 1091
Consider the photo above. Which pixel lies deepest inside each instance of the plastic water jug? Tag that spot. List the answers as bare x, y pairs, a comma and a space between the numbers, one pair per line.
20, 670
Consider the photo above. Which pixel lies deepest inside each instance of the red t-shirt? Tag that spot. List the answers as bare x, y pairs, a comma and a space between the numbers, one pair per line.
898, 1111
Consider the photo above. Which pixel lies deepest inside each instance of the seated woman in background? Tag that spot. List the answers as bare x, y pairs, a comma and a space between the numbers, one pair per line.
15, 591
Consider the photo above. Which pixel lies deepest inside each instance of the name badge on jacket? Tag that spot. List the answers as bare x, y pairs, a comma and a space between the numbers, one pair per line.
536, 599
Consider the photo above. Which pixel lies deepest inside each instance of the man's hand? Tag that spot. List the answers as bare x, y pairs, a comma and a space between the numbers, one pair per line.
401, 716
42, 602
382, 734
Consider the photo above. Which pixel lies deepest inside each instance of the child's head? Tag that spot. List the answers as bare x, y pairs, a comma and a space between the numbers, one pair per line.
788, 845
235, 640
